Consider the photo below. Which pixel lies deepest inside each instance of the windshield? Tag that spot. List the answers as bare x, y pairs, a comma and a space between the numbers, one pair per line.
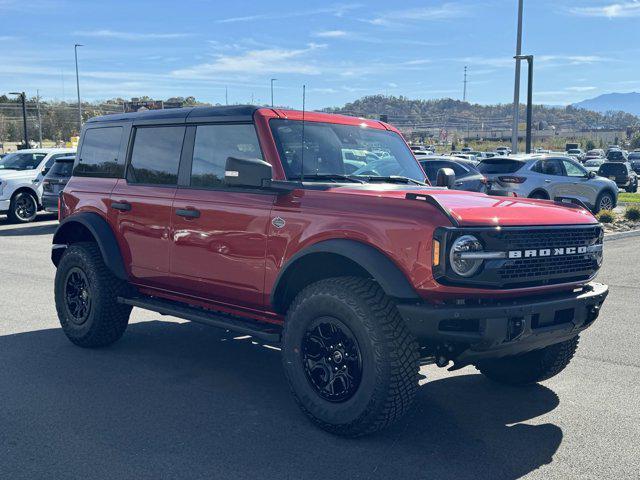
593, 163
574, 150
342, 150
21, 161
612, 169
634, 156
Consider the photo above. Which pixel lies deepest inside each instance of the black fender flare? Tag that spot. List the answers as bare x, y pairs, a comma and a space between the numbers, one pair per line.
381, 268
101, 232
540, 190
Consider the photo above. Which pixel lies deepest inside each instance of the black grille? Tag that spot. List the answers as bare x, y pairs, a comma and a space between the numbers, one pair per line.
551, 269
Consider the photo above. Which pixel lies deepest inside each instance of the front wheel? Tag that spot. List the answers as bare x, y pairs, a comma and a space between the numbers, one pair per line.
23, 208
350, 361
530, 367
604, 202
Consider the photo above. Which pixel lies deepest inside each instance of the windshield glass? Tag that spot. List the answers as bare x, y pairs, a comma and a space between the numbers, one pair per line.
347, 150
574, 150
634, 156
21, 161
593, 163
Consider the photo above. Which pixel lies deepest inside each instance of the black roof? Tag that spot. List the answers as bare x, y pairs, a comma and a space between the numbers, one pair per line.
233, 113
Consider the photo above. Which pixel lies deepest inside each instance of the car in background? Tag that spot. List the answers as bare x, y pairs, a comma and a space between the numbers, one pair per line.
622, 173
479, 155
593, 164
466, 156
21, 176
634, 160
576, 153
419, 148
467, 175
542, 150
595, 153
549, 177
466, 150
617, 156
54, 182
503, 150
491, 154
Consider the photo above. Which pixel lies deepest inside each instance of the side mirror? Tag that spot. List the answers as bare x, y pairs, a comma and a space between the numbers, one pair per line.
247, 172
592, 174
44, 171
445, 178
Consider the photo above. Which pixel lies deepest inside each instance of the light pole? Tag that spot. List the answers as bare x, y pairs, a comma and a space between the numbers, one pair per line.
272, 80
75, 48
529, 59
516, 88
23, 97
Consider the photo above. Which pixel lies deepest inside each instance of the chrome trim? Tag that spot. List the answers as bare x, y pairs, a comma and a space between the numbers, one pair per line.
482, 255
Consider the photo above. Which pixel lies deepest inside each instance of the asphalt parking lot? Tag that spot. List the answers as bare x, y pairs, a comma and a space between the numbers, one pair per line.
180, 400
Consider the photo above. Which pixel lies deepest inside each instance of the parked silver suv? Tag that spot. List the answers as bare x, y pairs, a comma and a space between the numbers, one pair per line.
549, 177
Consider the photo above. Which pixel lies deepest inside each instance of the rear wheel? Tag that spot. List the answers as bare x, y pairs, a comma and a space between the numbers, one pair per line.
86, 294
604, 202
350, 361
530, 367
23, 208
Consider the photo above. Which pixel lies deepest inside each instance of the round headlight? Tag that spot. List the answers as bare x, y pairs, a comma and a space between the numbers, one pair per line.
465, 267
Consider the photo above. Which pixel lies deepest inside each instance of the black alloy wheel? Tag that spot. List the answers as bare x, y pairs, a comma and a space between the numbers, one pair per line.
331, 359
77, 296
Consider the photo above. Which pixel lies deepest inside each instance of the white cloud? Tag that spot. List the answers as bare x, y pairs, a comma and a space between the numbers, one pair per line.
130, 35
331, 34
257, 62
581, 89
442, 12
335, 10
612, 10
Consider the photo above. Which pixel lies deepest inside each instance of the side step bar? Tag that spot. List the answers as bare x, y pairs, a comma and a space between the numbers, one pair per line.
265, 332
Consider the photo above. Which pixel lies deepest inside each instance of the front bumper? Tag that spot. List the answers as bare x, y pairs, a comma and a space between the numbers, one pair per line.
496, 329
4, 205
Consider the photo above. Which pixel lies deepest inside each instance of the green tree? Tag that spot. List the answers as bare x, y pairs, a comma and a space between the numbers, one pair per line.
635, 141
590, 145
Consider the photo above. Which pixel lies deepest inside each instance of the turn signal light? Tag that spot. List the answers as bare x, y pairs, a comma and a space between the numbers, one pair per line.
436, 253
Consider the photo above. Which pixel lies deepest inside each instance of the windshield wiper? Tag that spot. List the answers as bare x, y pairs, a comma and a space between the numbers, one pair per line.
326, 176
393, 179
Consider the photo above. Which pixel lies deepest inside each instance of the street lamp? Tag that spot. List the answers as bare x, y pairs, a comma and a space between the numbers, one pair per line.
529, 59
23, 97
75, 49
272, 80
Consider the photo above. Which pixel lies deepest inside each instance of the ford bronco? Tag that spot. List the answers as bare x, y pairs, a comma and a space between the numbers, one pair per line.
264, 221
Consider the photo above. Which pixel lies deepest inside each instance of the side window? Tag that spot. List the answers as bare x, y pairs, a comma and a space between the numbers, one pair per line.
549, 167
213, 145
99, 153
573, 170
156, 155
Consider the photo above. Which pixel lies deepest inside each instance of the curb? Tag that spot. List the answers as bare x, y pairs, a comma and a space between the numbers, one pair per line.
621, 235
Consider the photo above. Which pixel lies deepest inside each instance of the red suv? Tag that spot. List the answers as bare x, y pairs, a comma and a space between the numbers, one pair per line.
319, 233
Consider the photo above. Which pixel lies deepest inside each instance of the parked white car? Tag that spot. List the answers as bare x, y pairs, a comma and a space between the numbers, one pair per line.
21, 175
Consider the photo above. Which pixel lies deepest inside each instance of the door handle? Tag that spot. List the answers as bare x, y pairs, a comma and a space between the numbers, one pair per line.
122, 206
188, 212
547, 180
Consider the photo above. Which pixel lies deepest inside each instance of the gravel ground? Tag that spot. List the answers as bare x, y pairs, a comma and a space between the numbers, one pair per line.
179, 400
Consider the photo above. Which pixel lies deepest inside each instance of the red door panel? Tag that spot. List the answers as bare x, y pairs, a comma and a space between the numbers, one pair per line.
221, 254
144, 231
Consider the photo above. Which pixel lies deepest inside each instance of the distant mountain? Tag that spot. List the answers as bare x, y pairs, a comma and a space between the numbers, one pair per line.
613, 102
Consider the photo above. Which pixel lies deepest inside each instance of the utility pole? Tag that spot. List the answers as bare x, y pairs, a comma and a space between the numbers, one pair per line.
529, 59
516, 89
272, 80
75, 49
226, 96
464, 92
39, 118
23, 97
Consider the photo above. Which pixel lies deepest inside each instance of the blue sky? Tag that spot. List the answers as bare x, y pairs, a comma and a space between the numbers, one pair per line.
340, 50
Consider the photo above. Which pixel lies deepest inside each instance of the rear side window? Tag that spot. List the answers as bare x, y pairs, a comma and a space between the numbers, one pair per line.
62, 168
431, 168
99, 153
156, 155
499, 166
213, 145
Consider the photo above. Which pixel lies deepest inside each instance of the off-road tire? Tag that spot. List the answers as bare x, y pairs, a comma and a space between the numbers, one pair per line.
389, 355
531, 367
12, 216
599, 201
107, 319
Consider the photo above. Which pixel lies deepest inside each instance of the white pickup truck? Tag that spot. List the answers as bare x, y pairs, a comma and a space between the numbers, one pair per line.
21, 175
